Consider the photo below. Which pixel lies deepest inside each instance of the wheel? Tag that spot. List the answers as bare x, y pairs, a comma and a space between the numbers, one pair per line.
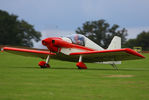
43, 64
81, 65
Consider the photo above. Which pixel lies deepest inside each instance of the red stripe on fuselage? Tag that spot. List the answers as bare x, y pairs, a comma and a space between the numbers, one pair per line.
80, 47
53, 43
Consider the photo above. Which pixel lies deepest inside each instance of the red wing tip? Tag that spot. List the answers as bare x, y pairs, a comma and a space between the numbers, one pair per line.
128, 50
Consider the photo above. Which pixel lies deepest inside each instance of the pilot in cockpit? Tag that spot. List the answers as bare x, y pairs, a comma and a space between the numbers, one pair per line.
77, 39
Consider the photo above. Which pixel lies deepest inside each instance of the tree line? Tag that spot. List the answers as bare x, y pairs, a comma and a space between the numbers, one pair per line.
16, 32
20, 33
102, 33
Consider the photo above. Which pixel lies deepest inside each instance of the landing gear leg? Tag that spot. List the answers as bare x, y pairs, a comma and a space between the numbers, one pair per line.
80, 64
114, 66
44, 64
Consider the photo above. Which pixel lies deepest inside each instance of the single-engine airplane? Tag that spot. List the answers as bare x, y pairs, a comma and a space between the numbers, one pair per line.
80, 49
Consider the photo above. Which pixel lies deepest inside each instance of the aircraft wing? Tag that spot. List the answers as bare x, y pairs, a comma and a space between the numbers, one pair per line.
109, 55
27, 52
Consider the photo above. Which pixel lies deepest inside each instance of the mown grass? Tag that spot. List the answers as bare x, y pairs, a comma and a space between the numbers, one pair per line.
22, 79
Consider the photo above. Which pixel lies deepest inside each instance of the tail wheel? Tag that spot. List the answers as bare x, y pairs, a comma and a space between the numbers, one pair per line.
43, 64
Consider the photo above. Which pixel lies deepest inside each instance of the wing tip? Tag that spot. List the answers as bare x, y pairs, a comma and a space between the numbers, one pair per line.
128, 50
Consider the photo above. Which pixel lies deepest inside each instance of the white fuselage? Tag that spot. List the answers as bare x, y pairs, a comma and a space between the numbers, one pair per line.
87, 43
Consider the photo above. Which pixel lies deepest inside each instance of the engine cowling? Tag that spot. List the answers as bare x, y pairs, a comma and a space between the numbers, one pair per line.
55, 43
48, 43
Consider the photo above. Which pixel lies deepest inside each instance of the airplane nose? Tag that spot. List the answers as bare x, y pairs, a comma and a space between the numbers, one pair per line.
45, 42
49, 41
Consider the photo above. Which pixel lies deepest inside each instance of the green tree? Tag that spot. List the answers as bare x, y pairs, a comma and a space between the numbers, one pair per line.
131, 43
101, 33
142, 40
16, 32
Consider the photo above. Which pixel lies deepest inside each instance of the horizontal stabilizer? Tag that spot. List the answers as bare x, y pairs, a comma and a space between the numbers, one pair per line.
111, 62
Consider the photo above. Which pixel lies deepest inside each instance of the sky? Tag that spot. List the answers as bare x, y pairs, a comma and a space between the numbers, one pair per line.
63, 17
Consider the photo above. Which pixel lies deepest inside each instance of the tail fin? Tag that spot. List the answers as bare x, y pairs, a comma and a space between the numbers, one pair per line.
115, 43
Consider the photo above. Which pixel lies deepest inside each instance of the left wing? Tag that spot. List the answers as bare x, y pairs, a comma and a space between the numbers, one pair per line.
109, 55
27, 52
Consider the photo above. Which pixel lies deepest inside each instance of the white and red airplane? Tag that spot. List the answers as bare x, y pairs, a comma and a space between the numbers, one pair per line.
80, 49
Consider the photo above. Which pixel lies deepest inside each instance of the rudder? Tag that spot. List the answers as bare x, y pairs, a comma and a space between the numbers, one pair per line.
115, 43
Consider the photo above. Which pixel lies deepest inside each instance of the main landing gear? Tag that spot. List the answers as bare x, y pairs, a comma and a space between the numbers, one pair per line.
44, 64
80, 64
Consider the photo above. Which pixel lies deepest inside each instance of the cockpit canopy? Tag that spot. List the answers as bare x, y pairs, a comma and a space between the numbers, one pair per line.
77, 39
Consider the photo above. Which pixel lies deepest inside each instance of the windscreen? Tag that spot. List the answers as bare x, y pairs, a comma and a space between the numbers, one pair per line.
77, 39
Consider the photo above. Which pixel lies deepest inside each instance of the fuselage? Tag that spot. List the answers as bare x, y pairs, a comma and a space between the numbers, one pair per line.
70, 44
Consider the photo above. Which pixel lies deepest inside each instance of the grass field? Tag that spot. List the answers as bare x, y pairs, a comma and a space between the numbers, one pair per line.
22, 79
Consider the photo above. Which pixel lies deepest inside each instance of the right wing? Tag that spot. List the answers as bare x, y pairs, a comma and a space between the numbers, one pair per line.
27, 52
109, 55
